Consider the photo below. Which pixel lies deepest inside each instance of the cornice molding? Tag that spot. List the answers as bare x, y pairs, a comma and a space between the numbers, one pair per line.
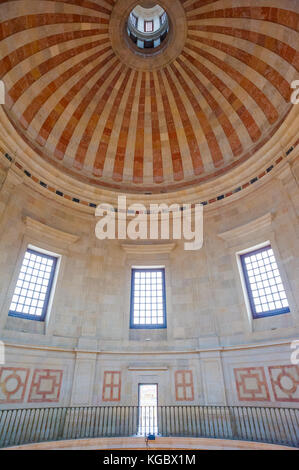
147, 249
256, 225
148, 368
13, 179
221, 349
241, 175
48, 233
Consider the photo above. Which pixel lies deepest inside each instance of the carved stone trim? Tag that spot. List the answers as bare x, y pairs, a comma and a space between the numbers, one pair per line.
256, 225
48, 233
155, 248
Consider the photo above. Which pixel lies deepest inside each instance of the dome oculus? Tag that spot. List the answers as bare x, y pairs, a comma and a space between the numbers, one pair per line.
147, 27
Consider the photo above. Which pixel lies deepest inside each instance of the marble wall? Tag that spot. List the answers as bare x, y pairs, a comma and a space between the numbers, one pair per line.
212, 351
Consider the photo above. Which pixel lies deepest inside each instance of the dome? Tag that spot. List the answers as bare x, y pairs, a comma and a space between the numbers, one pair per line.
206, 101
149, 201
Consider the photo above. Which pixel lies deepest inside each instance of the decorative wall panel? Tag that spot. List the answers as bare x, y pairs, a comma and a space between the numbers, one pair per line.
13, 382
111, 386
45, 386
184, 390
285, 382
251, 384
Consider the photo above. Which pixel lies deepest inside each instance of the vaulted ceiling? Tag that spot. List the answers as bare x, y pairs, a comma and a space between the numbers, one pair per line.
76, 101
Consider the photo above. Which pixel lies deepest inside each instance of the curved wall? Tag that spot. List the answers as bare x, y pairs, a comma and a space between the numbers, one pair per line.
160, 443
233, 359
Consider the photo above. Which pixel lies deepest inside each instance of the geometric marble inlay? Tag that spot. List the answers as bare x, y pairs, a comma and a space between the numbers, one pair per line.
285, 382
45, 386
251, 384
13, 381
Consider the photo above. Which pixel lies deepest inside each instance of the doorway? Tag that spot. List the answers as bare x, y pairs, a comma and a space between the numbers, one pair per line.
147, 409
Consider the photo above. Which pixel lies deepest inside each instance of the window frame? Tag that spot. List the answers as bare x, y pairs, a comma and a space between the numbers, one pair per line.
145, 23
27, 316
249, 292
140, 384
147, 326
162, 18
134, 18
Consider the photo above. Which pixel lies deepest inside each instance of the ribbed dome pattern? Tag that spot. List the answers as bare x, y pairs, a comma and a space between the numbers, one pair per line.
86, 112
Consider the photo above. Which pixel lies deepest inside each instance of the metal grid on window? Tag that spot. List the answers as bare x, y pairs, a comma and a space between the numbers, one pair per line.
32, 291
148, 307
264, 285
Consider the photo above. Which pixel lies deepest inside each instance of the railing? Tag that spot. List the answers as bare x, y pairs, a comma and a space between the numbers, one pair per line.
260, 424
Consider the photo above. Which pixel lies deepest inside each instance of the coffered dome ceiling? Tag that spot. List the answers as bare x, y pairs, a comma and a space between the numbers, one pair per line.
86, 101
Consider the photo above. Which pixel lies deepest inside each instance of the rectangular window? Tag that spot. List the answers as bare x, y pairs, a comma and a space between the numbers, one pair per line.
148, 26
148, 306
147, 409
162, 18
33, 288
263, 282
134, 20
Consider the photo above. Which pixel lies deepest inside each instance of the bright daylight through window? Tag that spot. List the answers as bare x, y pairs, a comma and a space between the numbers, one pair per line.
148, 309
264, 285
32, 291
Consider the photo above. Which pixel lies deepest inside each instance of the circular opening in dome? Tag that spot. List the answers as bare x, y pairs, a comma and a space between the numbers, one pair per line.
148, 28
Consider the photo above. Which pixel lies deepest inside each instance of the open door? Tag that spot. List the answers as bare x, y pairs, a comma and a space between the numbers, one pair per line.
147, 407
